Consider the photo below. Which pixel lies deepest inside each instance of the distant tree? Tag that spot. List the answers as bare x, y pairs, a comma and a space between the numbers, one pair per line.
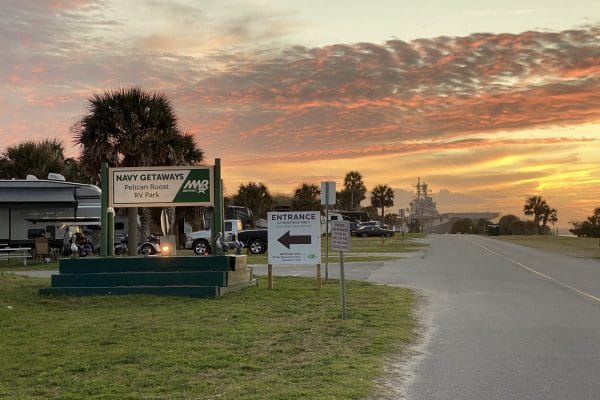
506, 222
588, 228
283, 201
33, 158
392, 220
541, 211
372, 212
550, 215
462, 226
354, 191
256, 197
382, 197
520, 227
306, 198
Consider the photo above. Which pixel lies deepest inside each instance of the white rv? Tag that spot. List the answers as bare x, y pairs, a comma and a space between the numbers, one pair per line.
53, 208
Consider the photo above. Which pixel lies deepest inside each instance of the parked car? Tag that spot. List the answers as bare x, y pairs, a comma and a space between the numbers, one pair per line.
371, 230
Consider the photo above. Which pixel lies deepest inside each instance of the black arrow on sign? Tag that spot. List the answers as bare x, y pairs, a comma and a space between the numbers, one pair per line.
286, 239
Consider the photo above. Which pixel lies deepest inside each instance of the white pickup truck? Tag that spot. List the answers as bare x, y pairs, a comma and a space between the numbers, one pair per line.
255, 240
199, 241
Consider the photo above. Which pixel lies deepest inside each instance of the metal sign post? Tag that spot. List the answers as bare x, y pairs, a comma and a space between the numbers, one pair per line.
343, 286
341, 241
327, 198
326, 240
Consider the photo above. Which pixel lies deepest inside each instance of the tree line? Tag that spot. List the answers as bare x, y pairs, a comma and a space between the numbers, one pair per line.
307, 197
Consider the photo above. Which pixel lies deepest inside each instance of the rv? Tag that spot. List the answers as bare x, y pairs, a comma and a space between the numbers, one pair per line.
354, 217
50, 208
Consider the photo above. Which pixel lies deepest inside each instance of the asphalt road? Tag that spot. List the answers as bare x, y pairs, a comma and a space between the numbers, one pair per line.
500, 321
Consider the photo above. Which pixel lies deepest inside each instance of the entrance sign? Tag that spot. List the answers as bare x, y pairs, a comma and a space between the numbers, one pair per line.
340, 236
294, 237
161, 186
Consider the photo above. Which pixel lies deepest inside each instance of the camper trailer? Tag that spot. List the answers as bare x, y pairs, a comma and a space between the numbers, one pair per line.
52, 208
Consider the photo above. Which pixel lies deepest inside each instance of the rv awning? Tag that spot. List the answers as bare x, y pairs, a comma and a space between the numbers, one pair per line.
67, 220
36, 195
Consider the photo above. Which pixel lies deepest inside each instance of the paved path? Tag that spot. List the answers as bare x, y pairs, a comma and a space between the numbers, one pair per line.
504, 322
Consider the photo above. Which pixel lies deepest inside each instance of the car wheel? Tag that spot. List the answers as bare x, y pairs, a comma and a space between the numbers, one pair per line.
201, 247
256, 246
388, 235
364, 235
119, 251
147, 249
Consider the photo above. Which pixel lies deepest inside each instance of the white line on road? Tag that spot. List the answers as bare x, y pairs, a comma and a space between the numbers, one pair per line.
537, 272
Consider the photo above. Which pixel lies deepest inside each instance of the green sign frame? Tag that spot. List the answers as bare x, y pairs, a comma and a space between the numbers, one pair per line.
161, 186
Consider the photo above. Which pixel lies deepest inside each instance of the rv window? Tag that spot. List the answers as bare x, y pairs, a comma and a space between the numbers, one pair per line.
50, 231
119, 226
334, 218
228, 226
33, 233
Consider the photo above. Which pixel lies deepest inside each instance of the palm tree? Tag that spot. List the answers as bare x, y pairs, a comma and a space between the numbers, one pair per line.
381, 197
550, 215
33, 158
256, 197
541, 211
355, 188
132, 128
306, 198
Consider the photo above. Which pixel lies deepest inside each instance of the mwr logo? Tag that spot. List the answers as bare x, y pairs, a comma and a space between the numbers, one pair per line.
196, 185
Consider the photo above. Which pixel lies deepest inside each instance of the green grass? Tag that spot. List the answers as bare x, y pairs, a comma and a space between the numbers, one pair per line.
17, 265
567, 245
286, 343
395, 244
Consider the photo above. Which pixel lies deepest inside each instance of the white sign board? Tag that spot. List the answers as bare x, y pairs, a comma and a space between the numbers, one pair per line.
294, 237
160, 186
340, 236
328, 193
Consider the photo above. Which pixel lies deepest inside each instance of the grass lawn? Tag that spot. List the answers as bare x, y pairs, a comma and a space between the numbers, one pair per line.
567, 245
287, 343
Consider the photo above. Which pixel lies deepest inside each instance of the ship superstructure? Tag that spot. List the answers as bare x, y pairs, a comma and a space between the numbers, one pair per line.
423, 205
424, 217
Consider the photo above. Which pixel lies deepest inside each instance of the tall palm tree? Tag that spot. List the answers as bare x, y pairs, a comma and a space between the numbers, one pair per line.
132, 128
256, 197
306, 198
33, 158
541, 211
355, 188
382, 197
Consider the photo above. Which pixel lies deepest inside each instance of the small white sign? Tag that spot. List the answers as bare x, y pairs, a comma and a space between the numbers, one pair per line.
294, 237
340, 236
328, 193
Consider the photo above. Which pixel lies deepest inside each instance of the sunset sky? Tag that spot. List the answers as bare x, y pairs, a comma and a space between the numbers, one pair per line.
487, 101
